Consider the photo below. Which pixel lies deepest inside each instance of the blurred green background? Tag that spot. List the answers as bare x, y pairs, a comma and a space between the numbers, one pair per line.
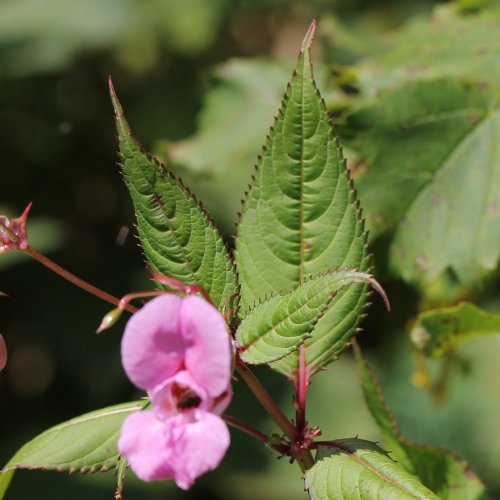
200, 82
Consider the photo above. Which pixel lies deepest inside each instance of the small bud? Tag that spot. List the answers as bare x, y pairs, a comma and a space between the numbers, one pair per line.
13, 234
3, 353
110, 319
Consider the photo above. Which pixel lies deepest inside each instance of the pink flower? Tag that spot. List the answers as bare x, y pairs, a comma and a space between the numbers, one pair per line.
179, 351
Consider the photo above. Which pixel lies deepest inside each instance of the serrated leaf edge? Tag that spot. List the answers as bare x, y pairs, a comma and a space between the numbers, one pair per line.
165, 171
361, 362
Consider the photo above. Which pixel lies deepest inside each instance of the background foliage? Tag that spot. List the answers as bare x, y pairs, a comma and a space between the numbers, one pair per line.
413, 88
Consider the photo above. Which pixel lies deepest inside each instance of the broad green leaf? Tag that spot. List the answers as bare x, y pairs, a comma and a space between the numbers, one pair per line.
279, 325
357, 469
432, 174
301, 216
445, 44
438, 469
440, 331
86, 443
178, 238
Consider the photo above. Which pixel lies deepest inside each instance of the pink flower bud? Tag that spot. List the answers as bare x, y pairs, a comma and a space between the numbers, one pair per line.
13, 234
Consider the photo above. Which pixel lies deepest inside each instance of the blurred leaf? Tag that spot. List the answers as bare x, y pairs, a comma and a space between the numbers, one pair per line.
86, 443
301, 215
432, 173
344, 44
355, 468
440, 331
446, 44
46, 35
279, 325
438, 469
178, 238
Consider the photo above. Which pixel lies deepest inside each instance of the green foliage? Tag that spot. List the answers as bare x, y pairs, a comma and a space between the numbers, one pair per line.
235, 117
86, 443
279, 325
432, 175
438, 469
33, 39
355, 468
301, 216
178, 238
440, 331
446, 44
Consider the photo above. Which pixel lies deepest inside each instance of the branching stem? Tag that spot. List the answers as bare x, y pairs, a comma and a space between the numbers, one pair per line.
75, 279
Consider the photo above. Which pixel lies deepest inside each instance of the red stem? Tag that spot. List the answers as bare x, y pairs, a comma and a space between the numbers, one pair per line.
301, 384
266, 400
75, 280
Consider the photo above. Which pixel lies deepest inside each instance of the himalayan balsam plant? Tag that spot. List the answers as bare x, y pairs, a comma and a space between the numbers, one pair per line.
290, 296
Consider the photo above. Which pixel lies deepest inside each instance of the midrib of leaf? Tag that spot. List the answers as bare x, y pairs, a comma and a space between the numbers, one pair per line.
158, 203
285, 318
385, 478
301, 200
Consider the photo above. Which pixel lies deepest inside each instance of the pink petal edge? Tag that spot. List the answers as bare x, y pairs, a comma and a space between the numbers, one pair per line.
152, 345
143, 442
197, 447
208, 345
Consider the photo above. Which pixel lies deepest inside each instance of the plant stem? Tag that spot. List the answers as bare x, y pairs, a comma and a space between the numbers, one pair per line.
305, 460
265, 399
242, 426
74, 279
301, 384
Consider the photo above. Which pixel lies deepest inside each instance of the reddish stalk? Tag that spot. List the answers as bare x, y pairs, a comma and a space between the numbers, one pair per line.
75, 280
265, 399
301, 383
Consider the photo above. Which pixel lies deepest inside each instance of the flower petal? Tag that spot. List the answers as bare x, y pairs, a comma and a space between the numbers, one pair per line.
144, 443
197, 447
207, 343
152, 345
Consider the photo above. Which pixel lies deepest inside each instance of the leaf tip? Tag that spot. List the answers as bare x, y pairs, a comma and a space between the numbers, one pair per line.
306, 43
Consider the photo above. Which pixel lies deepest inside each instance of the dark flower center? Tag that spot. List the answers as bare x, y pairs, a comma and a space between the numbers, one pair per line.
185, 397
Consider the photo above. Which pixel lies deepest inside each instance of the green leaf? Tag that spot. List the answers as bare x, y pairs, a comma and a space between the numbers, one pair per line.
279, 325
301, 216
86, 443
440, 331
178, 238
358, 469
445, 44
433, 175
438, 469
237, 110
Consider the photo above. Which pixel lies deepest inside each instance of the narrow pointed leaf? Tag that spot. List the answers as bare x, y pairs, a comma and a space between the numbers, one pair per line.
178, 238
86, 443
357, 469
279, 325
301, 216
440, 331
438, 469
